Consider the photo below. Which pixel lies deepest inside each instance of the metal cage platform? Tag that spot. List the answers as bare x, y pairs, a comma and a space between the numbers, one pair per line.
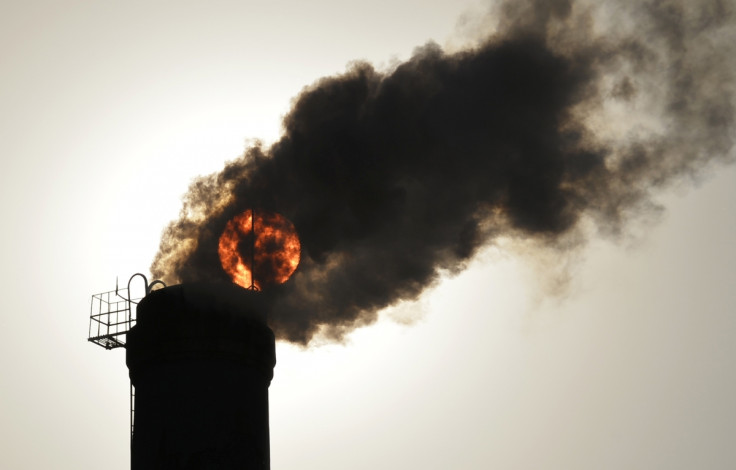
111, 317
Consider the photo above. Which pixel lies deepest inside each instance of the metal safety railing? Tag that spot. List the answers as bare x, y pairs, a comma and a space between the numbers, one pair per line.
111, 317
132, 411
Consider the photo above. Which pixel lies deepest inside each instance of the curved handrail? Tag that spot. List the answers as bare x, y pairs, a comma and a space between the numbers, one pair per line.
147, 289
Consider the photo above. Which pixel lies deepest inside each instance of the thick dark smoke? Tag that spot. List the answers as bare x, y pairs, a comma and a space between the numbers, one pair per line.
565, 113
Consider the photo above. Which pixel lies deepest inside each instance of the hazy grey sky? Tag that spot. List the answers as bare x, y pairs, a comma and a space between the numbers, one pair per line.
108, 109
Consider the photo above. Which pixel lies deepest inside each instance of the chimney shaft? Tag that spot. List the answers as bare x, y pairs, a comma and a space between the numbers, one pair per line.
201, 358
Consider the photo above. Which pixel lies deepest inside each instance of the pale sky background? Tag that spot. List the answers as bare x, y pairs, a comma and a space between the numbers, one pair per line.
108, 109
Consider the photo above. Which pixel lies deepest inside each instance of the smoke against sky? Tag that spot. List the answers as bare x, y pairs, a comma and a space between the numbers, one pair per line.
556, 117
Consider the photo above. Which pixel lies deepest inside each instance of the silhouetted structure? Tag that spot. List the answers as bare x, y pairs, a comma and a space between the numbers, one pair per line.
201, 359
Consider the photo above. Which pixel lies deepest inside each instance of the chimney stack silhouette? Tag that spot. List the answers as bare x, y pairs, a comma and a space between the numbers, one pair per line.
201, 359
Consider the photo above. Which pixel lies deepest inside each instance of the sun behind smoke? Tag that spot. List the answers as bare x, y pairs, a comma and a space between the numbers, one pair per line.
259, 248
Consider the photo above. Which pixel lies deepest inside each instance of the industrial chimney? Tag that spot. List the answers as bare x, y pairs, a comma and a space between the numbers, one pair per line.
201, 359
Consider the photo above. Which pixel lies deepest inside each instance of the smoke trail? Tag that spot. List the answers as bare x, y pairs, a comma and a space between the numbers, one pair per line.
566, 112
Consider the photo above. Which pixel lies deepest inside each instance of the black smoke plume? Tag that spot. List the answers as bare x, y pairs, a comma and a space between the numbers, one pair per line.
565, 112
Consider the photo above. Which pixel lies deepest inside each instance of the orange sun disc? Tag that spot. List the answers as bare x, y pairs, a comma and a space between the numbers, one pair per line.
258, 251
